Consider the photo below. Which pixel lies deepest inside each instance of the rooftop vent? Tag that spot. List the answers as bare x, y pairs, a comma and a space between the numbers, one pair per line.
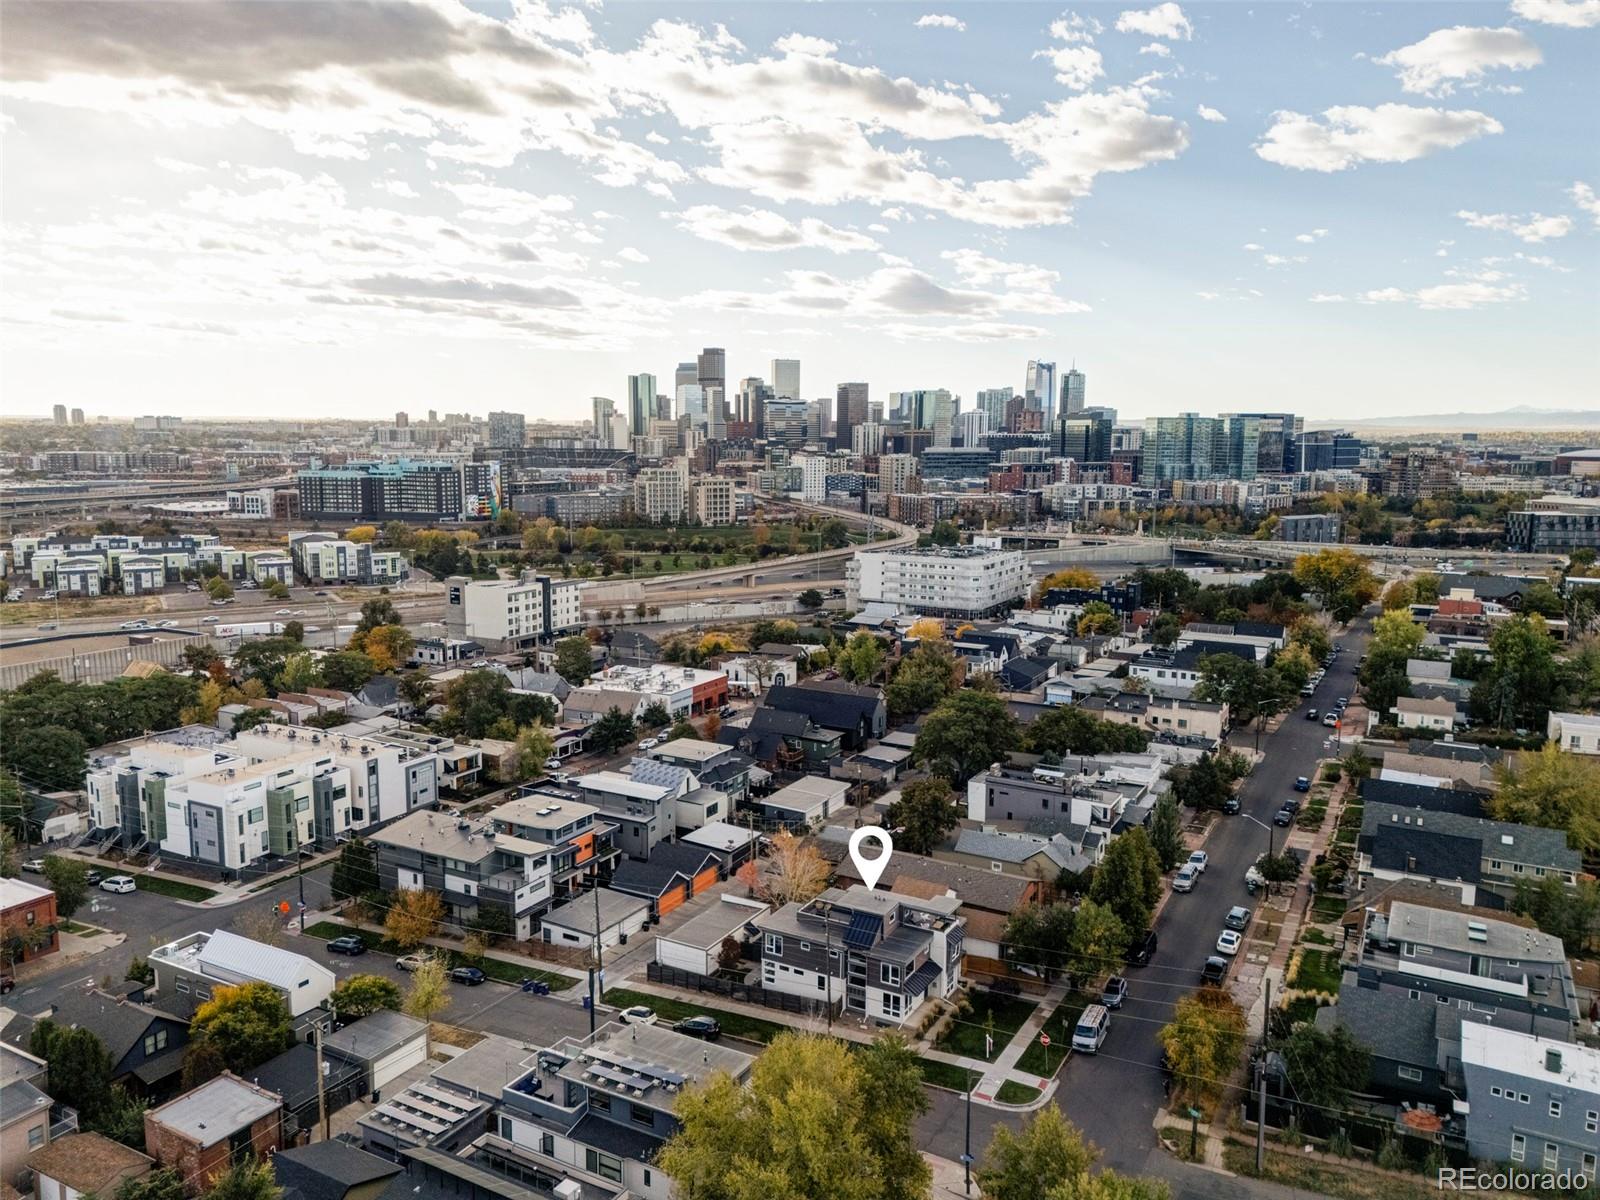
1552, 1061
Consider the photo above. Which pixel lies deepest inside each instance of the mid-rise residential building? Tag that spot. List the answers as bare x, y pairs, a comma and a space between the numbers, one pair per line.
505, 430
1555, 525
661, 494
713, 501
874, 953
387, 780
1533, 1104
1308, 527
952, 581
328, 558
509, 614
375, 492
895, 473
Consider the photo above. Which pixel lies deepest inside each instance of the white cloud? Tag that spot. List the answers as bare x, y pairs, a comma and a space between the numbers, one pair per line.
400, 188
1473, 294
1353, 134
971, 332
1159, 49
1316, 235
1583, 196
1460, 54
1075, 27
1572, 14
800, 43
1163, 21
177, 166
633, 255
762, 229
1207, 113
1077, 66
941, 21
1534, 228
657, 139
1327, 298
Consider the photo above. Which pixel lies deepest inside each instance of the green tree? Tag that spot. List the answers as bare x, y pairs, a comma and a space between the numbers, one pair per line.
612, 731
574, 660
355, 871
682, 728
475, 701
277, 590
1313, 635
534, 745
655, 716
1203, 1042
1128, 880
1098, 940
247, 1025
925, 812
964, 734
1325, 1067
416, 689
360, 995
1166, 833
1569, 913
245, 1179
1048, 1159
1521, 680
945, 534
299, 673
294, 631
375, 612
1097, 617
1039, 937
50, 756
862, 657
80, 1067
1164, 630
219, 589
1553, 788
347, 670
69, 880
1064, 729
924, 677
8, 853
815, 1121
1243, 684
1340, 578
13, 806
1201, 785
809, 598
120, 1117
428, 992
163, 1183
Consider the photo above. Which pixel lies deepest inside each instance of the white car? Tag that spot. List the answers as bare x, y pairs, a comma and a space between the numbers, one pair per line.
649, 743
119, 884
1185, 879
1229, 942
284, 612
1198, 861
208, 620
637, 1015
551, 764
133, 625
167, 625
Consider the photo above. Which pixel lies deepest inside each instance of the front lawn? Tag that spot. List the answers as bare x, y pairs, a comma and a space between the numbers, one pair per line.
947, 1075
965, 1035
734, 1024
174, 888
1047, 1060
495, 968
1318, 971
1012, 1092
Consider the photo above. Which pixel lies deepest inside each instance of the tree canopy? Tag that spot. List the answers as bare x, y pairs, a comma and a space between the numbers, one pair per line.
924, 814
246, 1025
964, 734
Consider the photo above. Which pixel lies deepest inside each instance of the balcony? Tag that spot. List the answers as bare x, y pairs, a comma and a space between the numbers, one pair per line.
63, 1120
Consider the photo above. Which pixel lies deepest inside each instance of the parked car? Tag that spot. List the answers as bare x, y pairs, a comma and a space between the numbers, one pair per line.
1302, 784
1114, 992
1215, 971
1311, 714
1294, 804
119, 884
34, 866
411, 962
1228, 942
93, 877
1198, 860
1141, 950
1330, 720
1238, 918
551, 764
639, 1014
708, 1028
470, 976
1283, 816
649, 743
1231, 806
349, 944
1185, 879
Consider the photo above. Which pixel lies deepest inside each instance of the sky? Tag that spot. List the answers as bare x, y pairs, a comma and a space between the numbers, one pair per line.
258, 208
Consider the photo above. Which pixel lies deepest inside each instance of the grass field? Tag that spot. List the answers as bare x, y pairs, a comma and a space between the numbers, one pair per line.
1012, 1092
37, 612
1046, 1060
1318, 971
1347, 1183
173, 888
965, 1036
947, 1075
495, 968
735, 1024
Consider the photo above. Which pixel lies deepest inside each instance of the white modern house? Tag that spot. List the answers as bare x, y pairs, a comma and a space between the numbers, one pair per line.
195, 966
1576, 733
508, 614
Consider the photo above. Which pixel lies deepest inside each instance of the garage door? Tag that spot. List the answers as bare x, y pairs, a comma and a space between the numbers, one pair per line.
672, 898
398, 1061
704, 880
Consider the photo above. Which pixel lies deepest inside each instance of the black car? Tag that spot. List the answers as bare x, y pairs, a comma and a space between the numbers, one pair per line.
470, 976
93, 878
347, 945
1142, 950
1293, 804
1231, 806
700, 1026
1283, 816
1215, 971
1311, 714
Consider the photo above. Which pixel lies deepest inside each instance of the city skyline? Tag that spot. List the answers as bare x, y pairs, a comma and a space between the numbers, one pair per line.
1205, 207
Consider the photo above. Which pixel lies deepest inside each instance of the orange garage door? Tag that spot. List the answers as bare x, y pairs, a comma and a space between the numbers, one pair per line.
705, 879
672, 898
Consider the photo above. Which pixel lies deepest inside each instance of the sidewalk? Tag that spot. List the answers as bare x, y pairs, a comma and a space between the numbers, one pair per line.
996, 1073
227, 894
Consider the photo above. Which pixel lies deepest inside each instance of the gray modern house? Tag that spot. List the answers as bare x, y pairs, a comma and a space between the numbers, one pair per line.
1535, 1103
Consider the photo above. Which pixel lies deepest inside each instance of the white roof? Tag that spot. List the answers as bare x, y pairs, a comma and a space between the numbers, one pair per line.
231, 954
719, 835
1498, 1049
14, 892
619, 784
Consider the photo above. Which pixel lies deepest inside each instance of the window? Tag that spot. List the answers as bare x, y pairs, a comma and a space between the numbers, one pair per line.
1522, 1097
35, 1137
1442, 999
642, 1116
1519, 1147
1413, 994
1588, 1165
31, 917
775, 945
607, 1166
1555, 1109
547, 1144
1413, 1074
1552, 1156
769, 972
647, 1175
256, 815
892, 1004
506, 1128
890, 974
1496, 1091
599, 1101
1591, 1121
805, 945
154, 1042
181, 985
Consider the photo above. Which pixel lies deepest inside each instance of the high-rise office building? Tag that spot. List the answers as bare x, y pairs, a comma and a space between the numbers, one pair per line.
77, 416
1277, 434
1242, 441
505, 430
1039, 389
1327, 450
992, 403
973, 424
604, 410
687, 372
641, 403
754, 394
786, 378
711, 371
1084, 436
60, 414
402, 420
786, 422
1072, 392
1187, 446
875, 411
692, 403
850, 411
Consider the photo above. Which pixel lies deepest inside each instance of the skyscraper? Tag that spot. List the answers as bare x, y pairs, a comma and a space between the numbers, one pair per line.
505, 431
850, 411
60, 414
711, 371
992, 402
1039, 388
786, 378
754, 393
641, 403
1278, 434
687, 372
1072, 392
974, 423
604, 410
1187, 446
1084, 436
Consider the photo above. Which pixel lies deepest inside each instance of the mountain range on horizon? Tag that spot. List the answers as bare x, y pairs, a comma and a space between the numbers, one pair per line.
1520, 416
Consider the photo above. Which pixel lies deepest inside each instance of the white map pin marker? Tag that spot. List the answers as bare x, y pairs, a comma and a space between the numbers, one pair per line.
871, 868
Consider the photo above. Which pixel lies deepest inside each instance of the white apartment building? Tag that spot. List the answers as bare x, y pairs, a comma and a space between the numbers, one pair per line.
952, 581
268, 566
662, 493
1577, 733
387, 780
813, 477
895, 473
713, 501
324, 558
507, 614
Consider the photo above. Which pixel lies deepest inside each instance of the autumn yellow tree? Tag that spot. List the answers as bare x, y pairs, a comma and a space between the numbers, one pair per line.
361, 533
388, 646
926, 629
795, 872
413, 918
1069, 577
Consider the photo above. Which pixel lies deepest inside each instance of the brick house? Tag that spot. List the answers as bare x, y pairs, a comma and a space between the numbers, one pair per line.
27, 921
204, 1132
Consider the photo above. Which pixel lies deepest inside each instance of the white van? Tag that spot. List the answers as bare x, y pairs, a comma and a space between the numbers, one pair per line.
1090, 1031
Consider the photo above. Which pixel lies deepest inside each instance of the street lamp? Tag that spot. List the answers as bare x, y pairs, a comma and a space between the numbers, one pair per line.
1270, 835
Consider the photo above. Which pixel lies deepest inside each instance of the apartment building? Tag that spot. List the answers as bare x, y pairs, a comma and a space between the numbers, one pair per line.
876, 953
661, 494
474, 865
1534, 1104
388, 780
509, 614
952, 581
713, 501
579, 835
327, 558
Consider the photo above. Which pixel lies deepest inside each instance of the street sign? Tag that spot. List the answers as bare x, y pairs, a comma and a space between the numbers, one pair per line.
1044, 1039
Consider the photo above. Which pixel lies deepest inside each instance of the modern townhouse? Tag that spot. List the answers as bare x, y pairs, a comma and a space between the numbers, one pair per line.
328, 558
604, 1105
484, 875
857, 713
1483, 859
879, 954
190, 970
1089, 809
642, 802
1155, 714
713, 765
1534, 1104
388, 780
579, 835
457, 763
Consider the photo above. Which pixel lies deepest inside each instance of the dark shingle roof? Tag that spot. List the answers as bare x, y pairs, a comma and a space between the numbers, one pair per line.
1389, 1023
328, 1170
980, 889
118, 1025
1529, 844
1465, 801
1188, 658
831, 703
669, 863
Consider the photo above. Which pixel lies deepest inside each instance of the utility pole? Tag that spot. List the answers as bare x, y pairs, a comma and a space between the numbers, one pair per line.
323, 1116
966, 1158
596, 969
1261, 1070
300, 874
827, 962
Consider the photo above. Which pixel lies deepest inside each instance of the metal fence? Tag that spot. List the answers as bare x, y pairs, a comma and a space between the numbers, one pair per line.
750, 993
